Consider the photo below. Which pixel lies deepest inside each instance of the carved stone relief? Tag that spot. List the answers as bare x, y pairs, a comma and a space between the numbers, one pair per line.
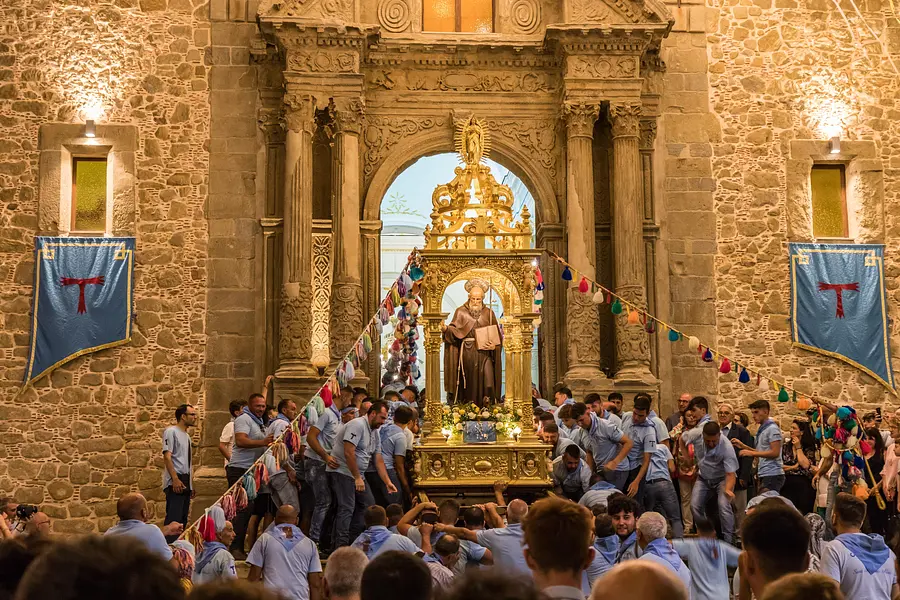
394, 16
383, 133
595, 67
464, 81
536, 136
346, 317
582, 328
322, 61
333, 10
525, 16
588, 11
296, 323
632, 342
321, 301
625, 119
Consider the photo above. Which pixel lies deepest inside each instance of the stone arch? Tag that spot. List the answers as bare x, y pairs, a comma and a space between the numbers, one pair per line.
432, 142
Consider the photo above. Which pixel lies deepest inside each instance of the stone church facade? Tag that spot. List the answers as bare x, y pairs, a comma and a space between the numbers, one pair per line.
668, 147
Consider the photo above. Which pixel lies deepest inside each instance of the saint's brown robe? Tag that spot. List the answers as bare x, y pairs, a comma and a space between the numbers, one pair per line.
470, 374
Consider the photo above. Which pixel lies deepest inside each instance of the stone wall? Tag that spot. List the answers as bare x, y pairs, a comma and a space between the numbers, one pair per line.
91, 431
778, 71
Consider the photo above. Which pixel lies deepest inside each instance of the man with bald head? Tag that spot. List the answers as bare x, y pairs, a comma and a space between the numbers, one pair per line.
133, 516
505, 540
286, 560
640, 579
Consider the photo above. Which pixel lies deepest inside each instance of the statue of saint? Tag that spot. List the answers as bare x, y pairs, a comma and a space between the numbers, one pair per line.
472, 347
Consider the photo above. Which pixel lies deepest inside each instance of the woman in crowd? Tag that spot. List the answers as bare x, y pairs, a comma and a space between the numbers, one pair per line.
876, 516
799, 457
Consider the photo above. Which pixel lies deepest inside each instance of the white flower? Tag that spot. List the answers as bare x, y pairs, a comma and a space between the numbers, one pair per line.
459, 427
485, 415
471, 415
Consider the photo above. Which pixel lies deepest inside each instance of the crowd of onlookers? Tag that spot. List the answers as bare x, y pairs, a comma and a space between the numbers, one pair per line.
693, 506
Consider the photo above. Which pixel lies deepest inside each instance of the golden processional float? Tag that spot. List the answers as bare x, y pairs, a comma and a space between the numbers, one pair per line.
474, 236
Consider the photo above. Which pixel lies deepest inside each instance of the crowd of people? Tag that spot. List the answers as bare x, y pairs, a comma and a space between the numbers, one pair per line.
687, 507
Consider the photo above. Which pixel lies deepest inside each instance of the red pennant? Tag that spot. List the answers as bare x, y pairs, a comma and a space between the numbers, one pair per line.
725, 367
583, 286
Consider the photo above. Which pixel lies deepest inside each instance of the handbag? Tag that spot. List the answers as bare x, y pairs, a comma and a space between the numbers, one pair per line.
487, 338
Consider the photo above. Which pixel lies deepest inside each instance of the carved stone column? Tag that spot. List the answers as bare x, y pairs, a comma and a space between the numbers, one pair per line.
552, 330
632, 342
346, 291
295, 318
372, 295
582, 322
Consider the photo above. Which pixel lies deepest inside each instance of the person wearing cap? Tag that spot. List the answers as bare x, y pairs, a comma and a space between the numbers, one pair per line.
215, 561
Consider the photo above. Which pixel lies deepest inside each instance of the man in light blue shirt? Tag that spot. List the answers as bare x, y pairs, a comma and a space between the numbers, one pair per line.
770, 469
651, 535
319, 442
133, 515
504, 541
377, 538
286, 560
637, 426
357, 443
176, 450
571, 476
717, 468
660, 494
394, 444
607, 447
708, 559
283, 479
250, 442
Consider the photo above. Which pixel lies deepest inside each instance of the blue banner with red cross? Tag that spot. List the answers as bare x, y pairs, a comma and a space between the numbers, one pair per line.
83, 290
839, 305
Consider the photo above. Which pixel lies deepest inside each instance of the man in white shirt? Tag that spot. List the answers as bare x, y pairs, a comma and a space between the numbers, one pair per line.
286, 560
226, 438
862, 564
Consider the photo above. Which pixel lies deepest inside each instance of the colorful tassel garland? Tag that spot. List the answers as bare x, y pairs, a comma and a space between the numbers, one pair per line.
241, 500
650, 327
804, 404
538, 276
616, 307
694, 343
598, 297
633, 317
783, 395
583, 285
367, 342
228, 507
248, 483
673, 335
744, 377
764, 385
708, 356
567, 274
725, 367
416, 273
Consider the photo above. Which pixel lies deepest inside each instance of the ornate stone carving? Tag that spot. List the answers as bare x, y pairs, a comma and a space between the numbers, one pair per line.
439, 273
580, 118
536, 136
588, 11
525, 15
349, 115
346, 317
482, 466
300, 112
625, 119
383, 133
322, 61
296, 322
594, 67
394, 15
321, 301
529, 465
582, 329
647, 134
632, 341
464, 81
333, 10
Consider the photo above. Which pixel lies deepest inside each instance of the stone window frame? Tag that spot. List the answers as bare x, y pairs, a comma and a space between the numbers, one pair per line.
58, 144
865, 189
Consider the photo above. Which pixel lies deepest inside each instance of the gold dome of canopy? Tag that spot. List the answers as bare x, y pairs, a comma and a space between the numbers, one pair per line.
474, 211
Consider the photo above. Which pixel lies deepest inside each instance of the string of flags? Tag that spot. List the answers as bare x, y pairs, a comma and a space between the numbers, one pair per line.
403, 295
636, 315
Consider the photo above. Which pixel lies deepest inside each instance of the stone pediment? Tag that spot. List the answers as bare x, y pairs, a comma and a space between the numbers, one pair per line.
615, 12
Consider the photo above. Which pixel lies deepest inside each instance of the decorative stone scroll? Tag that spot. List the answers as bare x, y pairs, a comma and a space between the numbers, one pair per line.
322, 61
594, 67
346, 317
457, 80
332, 10
580, 119
394, 15
525, 16
382, 133
625, 119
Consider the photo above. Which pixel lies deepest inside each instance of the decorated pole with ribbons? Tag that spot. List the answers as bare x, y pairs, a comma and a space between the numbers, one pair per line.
403, 296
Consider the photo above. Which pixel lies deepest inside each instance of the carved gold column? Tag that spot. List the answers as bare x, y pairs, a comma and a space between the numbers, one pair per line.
582, 319
632, 343
295, 346
526, 333
434, 340
346, 291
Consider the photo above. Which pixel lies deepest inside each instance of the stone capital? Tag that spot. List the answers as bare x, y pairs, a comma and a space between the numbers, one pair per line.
349, 115
647, 134
625, 119
300, 112
580, 118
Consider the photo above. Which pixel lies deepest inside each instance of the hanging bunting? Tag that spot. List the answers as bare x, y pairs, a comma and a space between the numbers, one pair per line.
633, 318
744, 377
583, 285
567, 274
598, 297
616, 307
649, 327
708, 356
416, 273
694, 343
783, 395
725, 367
764, 385
674, 336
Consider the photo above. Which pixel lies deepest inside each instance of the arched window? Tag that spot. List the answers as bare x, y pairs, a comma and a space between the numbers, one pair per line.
468, 16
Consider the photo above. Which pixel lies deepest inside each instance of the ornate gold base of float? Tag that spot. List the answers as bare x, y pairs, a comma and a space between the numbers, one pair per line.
457, 469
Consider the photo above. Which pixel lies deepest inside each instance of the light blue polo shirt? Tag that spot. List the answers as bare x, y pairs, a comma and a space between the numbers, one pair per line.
393, 443
245, 457
506, 544
327, 424
716, 462
150, 535
644, 438
659, 464
768, 432
708, 561
603, 442
575, 482
366, 440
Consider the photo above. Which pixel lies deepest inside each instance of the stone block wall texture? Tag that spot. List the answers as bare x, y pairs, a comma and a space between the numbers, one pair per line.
92, 430
776, 70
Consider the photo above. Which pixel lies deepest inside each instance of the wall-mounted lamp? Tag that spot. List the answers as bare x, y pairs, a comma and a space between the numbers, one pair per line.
320, 363
834, 145
90, 130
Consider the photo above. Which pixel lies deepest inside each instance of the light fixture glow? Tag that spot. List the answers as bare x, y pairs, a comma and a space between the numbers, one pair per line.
90, 130
834, 144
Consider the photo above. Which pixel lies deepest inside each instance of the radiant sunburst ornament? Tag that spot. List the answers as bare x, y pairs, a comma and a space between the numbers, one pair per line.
473, 142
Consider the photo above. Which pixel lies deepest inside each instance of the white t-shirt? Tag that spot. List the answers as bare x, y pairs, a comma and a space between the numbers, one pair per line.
841, 565
286, 571
227, 436
221, 566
